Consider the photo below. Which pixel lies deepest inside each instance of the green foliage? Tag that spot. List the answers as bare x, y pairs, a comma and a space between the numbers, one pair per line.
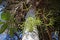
38, 21
3, 28
11, 32
9, 22
31, 23
51, 21
1, 22
50, 17
5, 15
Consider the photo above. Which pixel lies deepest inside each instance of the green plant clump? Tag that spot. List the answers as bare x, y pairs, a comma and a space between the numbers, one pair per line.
31, 23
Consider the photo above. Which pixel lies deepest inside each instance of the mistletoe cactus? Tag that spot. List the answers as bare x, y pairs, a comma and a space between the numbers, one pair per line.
30, 31
31, 23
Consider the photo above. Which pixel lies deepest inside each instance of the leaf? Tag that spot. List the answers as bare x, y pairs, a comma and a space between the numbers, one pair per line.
51, 21
1, 22
11, 32
38, 22
5, 15
3, 28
